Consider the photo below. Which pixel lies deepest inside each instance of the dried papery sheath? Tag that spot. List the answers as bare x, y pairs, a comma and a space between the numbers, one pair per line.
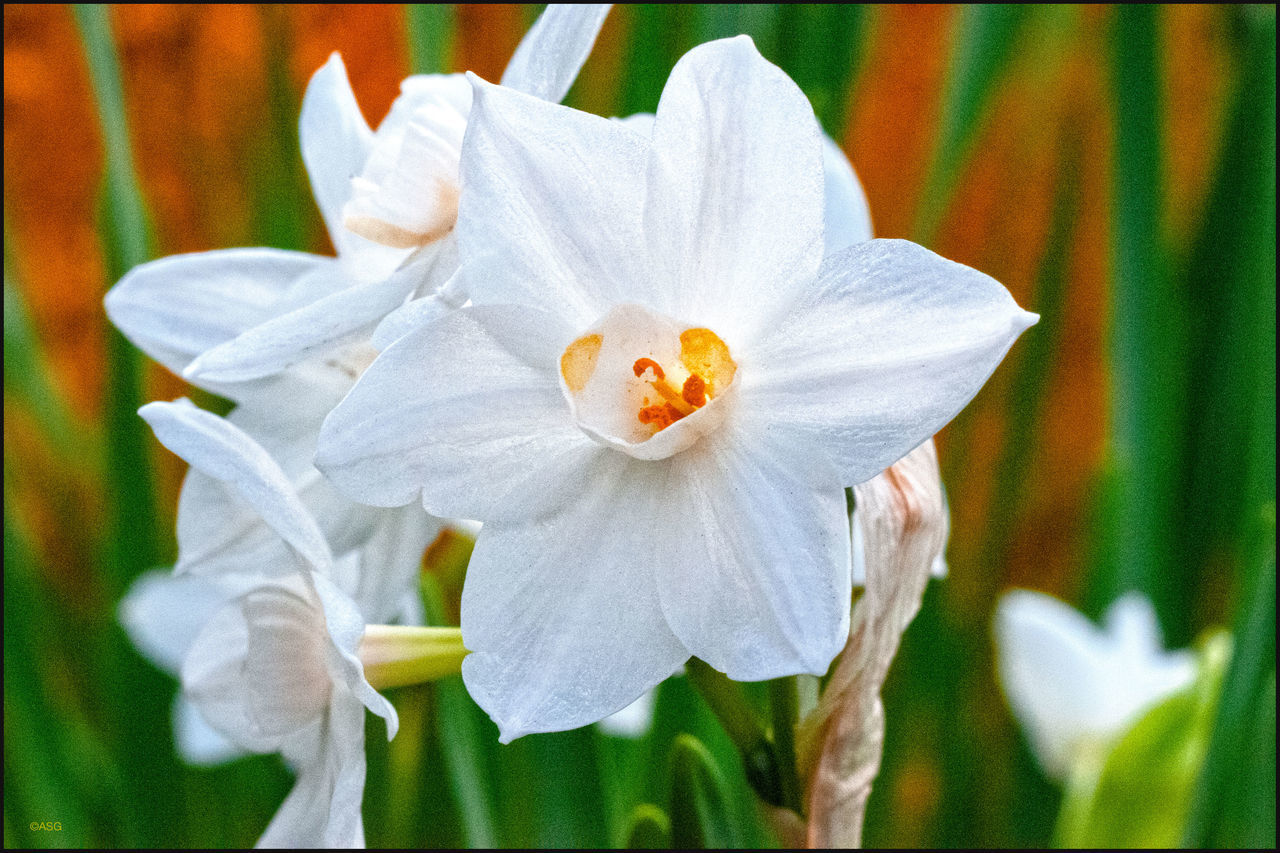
903, 520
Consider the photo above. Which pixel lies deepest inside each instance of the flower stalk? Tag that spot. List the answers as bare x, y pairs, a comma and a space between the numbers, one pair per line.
399, 655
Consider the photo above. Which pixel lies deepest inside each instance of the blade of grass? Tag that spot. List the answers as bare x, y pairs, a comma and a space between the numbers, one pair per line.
429, 27
467, 739
132, 543
1231, 272
820, 47
981, 48
658, 35
1244, 690
282, 214
1147, 333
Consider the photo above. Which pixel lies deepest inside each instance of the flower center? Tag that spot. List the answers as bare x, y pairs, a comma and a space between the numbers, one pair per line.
640, 383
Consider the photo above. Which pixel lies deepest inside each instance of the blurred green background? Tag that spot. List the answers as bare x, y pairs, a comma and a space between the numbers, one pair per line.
1113, 167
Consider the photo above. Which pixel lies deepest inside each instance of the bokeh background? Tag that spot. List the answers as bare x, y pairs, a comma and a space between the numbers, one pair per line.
1113, 167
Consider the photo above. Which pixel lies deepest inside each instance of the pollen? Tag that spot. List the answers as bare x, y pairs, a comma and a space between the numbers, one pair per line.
678, 404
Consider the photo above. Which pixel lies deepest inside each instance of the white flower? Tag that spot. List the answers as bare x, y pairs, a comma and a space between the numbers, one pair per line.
269, 637
1075, 686
660, 392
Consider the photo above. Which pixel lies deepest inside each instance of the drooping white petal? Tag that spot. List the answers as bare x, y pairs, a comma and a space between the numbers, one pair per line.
224, 452
477, 390
733, 215
283, 341
177, 307
285, 665
345, 626
752, 563
323, 808
888, 346
846, 216
1054, 672
548, 58
551, 213
565, 630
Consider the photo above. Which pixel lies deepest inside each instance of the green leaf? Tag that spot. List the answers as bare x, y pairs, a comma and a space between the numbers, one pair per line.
1136, 792
819, 45
648, 829
983, 43
132, 543
430, 31
1147, 334
1249, 688
700, 817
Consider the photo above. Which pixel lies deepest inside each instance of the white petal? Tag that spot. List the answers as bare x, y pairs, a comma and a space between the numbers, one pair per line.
551, 213
847, 217
889, 345
1147, 673
335, 141
634, 720
475, 391
391, 560
1054, 673
406, 318
752, 563
548, 58
407, 194
323, 809
213, 679
177, 307
199, 744
224, 452
345, 626
734, 211
162, 613
561, 614
286, 340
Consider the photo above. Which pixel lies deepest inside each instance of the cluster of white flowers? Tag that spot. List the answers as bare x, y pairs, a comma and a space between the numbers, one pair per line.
649, 354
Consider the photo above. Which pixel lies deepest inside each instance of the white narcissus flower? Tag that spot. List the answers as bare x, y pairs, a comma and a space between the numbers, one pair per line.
285, 334
270, 646
1075, 686
666, 388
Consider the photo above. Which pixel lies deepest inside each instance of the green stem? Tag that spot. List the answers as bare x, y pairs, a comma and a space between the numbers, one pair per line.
740, 723
784, 705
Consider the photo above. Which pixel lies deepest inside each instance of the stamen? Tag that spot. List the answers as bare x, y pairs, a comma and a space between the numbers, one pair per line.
694, 391
643, 364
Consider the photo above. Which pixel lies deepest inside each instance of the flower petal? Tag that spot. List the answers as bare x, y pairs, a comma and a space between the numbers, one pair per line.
323, 808
199, 744
175, 308
734, 211
548, 58
846, 216
162, 613
345, 626
889, 345
224, 452
283, 341
567, 629
1054, 672
335, 141
476, 390
406, 196
551, 213
752, 563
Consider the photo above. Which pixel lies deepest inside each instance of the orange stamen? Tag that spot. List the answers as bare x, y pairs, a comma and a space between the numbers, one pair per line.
659, 416
643, 364
694, 391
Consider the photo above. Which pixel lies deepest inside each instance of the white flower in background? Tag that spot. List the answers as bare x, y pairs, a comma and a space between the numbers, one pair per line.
269, 646
1075, 686
285, 334
665, 388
